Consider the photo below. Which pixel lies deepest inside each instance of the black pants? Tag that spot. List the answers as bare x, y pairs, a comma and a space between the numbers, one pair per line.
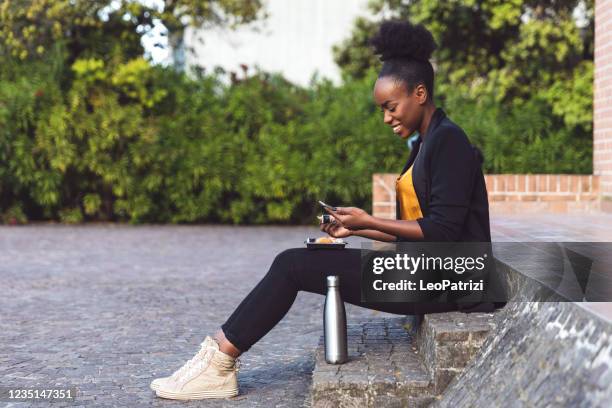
303, 269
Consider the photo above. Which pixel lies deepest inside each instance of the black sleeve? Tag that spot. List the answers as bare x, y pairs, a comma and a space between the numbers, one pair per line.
451, 170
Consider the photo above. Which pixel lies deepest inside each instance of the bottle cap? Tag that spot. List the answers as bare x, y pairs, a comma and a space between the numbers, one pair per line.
333, 280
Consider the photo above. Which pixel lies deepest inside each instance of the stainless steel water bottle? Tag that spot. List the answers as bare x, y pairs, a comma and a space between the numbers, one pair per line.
334, 317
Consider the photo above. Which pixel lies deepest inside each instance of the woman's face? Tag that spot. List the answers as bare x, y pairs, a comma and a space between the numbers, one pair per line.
402, 111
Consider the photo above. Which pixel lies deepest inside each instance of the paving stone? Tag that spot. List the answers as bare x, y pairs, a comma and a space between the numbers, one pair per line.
108, 308
378, 376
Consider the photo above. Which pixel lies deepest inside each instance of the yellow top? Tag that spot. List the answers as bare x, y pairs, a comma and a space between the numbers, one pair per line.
410, 209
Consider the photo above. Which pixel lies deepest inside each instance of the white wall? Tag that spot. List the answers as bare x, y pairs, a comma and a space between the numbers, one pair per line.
296, 39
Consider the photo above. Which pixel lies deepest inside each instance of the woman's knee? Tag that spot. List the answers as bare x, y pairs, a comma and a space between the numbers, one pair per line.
286, 259
285, 262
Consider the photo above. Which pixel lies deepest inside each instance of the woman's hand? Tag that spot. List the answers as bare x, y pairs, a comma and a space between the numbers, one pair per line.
335, 230
352, 218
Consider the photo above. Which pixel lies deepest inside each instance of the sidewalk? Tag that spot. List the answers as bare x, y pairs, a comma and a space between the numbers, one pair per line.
108, 308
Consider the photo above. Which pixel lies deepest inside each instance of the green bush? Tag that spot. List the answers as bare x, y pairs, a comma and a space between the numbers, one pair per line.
132, 142
523, 136
104, 140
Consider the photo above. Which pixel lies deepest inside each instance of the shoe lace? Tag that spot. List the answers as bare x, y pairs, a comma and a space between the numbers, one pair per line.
188, 366
196, 367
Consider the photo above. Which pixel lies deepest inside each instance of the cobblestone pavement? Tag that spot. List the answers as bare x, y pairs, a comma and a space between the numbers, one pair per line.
107, 308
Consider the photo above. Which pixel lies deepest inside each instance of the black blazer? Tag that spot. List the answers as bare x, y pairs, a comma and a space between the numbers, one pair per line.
449, 183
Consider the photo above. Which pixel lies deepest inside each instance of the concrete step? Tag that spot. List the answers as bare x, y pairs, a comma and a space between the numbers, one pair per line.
384, 369
394, 364
447, 342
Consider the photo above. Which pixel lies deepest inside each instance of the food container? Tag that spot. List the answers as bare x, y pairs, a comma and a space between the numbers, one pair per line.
338, 243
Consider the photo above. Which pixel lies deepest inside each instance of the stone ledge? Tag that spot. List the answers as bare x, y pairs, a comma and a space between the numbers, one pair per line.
542, 354
449, 341
389, 366
383, 369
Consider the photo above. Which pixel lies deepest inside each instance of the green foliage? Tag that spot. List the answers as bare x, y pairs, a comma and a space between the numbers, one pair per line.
13, 216
89, 130
517, 75
354, 55
522, 137
140, 143
29, 27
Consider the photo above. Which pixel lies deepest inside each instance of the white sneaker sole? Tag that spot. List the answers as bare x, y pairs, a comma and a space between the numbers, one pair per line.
185, 396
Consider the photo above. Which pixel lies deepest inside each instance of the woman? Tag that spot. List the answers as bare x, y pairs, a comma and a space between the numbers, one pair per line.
441, 197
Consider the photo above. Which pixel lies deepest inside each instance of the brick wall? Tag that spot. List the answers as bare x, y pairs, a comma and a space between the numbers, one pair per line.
602, 103
513, 193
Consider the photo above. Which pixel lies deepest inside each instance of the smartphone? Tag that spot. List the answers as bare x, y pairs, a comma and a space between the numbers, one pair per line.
328, 206
326, 219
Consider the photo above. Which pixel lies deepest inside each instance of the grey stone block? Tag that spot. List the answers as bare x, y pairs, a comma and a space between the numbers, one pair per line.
544, 354
443, 377
453, 355
387, 372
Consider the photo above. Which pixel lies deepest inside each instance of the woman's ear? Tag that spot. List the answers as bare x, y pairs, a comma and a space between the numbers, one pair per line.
421, 94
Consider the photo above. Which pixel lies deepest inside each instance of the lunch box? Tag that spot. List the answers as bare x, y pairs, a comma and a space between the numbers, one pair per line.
312, 244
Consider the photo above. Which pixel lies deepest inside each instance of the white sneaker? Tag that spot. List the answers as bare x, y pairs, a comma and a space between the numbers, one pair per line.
209, 374
208, 342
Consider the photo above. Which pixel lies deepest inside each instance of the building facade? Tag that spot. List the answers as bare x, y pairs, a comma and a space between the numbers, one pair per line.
296, 39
